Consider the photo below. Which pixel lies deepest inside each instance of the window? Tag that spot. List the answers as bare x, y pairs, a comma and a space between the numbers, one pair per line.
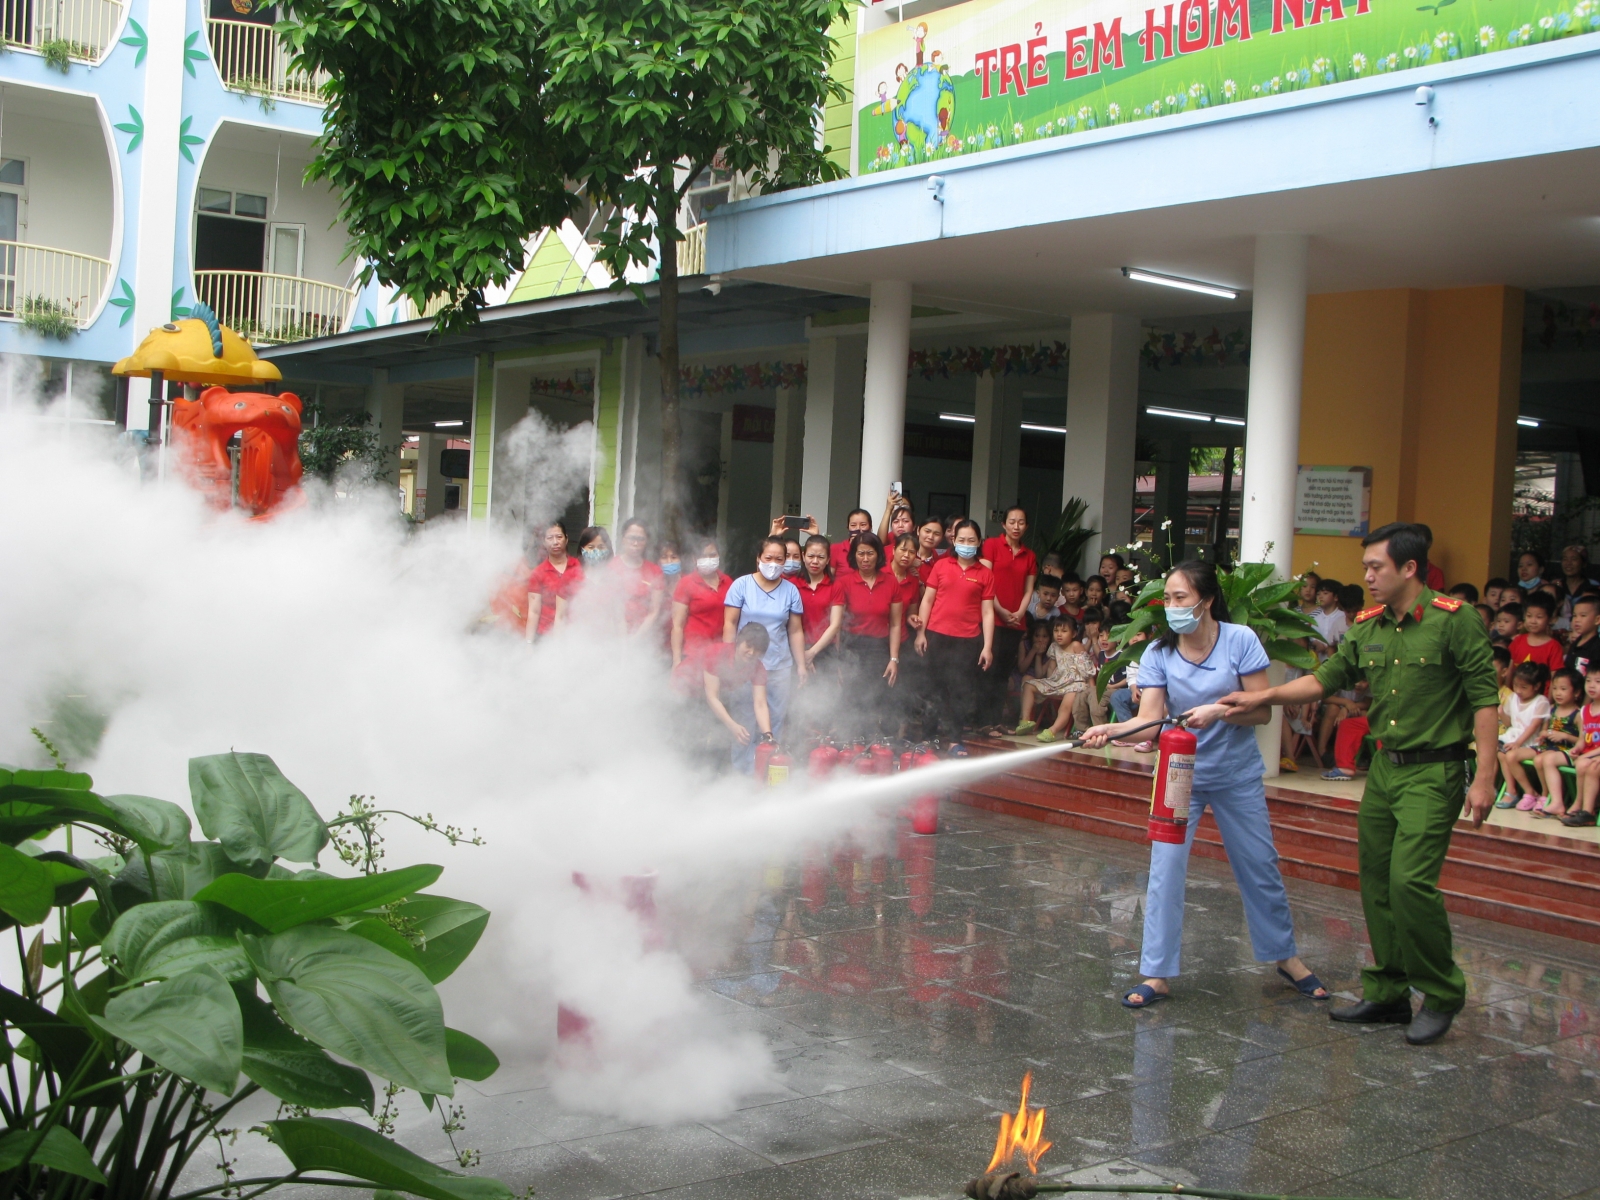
710, 189
238, 204
213, 201
246, 205
12, 170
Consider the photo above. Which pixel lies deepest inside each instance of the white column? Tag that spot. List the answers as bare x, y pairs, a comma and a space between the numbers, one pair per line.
632, 359
1272, 437
984, 490
725, 478
430, 485
1008, 478
883, 420
386, 402
1102, 414
788, 447
831, 460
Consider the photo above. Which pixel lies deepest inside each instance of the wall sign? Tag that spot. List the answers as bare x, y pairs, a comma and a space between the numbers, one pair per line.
1333, 501
993, 73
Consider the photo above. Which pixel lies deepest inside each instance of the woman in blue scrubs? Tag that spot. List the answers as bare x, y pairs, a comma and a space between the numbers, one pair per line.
1199, 660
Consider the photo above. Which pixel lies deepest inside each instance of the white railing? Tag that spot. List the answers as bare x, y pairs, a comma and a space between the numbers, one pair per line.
269, 310
61, 29
430, 311
252, 59
692, 251
49, 288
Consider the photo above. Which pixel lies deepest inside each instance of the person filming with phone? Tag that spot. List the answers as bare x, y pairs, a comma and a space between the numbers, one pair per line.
1435, 698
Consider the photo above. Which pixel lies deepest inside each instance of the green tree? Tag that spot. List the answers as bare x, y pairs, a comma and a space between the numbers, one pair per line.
656, 92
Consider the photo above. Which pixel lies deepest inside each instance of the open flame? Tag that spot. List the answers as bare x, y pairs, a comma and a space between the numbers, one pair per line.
1020, 1134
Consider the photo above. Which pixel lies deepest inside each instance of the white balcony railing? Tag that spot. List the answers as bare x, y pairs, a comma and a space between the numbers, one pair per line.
62, 29
430, 311
692, 251
252, 59
269, 310
50, 288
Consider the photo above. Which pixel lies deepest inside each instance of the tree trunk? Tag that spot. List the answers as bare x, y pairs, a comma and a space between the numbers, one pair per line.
671, 425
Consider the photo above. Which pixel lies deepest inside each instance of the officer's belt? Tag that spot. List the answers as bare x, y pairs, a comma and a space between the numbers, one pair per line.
1416, 758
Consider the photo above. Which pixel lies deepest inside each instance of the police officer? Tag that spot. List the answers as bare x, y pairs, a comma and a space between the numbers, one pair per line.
1427, 660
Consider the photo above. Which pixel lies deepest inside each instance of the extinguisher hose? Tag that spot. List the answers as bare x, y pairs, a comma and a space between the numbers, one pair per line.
1074, 743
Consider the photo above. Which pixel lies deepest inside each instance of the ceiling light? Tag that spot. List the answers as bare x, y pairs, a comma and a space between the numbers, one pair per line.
1227, 420
1176, 281
447, 424
965, 420
1527, 422
1044, 428
415, 437
1177, 412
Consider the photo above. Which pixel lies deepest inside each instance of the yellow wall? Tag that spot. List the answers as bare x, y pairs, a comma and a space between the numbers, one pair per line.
1422, 387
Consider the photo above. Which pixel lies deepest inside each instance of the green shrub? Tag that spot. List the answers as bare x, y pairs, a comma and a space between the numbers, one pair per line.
49, 318
59, 53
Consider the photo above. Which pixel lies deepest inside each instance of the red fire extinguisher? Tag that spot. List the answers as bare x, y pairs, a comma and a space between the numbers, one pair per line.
907, 756
822, 760
882, 759
765, 749
925, 808
865, 764
778, 769
1169, 797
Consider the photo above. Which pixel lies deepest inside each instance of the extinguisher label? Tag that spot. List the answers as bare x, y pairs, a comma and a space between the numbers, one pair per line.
777, 776
1180, 779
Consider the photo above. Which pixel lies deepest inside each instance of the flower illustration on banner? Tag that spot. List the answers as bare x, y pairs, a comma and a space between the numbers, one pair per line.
749, 377
1230, 89
951, 361
1486, 36
1358, 63
1113, 112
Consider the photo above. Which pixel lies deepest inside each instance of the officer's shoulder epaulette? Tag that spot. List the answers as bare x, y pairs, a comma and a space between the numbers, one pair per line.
1448, 603
1367, 614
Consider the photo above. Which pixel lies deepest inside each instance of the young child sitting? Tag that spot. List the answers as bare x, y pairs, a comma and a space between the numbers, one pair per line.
1559, 742
1535, 644
1072, 596
1494, 591
1046, 603
1070, 672
1587, 760
1523, 715
1507, 624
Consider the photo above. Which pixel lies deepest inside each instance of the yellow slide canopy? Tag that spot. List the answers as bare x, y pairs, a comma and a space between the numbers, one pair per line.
197, 349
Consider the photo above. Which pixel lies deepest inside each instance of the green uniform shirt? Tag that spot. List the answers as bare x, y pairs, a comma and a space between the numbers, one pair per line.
1429, 671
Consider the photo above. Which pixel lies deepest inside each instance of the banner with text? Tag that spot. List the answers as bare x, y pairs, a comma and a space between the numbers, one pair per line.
993, 73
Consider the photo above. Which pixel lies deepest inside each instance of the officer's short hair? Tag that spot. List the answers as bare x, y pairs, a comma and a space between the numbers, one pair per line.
1407, 543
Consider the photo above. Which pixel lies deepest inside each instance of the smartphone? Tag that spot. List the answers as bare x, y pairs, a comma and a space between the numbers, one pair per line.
794, 522
898, 488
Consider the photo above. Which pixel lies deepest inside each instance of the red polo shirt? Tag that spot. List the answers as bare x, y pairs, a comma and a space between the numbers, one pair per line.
1011, 571
959, 596
705, 608
818, 603
839, 556
551, 585
637, 584
866, 608
908, 593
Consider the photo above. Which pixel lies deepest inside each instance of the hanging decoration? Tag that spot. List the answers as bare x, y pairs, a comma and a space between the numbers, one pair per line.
745, 377
1167, 348
1000, 360
565, 388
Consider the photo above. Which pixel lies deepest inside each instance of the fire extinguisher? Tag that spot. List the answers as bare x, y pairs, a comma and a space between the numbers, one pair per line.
865, 764
765, 749
822, 760
907, 757
882, 759
778, 768
925, 808
1174, 779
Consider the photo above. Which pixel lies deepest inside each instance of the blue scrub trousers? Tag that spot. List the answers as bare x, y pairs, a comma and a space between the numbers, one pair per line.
1241, 816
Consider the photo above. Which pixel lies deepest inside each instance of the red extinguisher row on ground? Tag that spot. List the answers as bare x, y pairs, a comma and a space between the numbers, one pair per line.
878, 758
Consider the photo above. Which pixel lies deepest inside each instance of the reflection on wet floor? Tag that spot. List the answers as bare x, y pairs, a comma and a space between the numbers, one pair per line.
905, 992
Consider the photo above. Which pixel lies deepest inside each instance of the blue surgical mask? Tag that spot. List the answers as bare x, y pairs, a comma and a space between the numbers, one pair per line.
1183, 620
671, 568
966, 551
594, 556
792, 566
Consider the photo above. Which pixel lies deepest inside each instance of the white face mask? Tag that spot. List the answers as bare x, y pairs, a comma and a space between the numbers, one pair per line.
708, 565
770, 570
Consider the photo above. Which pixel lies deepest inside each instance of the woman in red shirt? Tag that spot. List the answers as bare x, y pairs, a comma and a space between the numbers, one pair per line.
930, 537
957, 633
819, 595
1015, 570
872, 625
911, 683
697, 613
859, 521
551, 584
644, 587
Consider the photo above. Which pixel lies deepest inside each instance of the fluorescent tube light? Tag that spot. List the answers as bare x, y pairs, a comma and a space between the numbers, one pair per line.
447, 424
1227, 420
1177, 412
965, 420
1044, 428
1527, 422
1175, 281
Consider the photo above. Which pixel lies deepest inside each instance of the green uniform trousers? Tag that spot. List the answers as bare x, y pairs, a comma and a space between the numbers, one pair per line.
1406, 818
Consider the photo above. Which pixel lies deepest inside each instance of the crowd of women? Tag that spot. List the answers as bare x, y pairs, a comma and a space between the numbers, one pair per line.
919, 629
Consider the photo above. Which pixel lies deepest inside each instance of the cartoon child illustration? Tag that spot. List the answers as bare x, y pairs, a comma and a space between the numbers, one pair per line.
919, 34
884, 103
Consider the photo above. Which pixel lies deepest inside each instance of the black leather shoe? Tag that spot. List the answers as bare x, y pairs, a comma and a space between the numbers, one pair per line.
1366, 1012
1428, 1026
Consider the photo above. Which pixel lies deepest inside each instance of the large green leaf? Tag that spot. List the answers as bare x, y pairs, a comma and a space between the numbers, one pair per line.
77, 781
1296, 655
173, 937
449, 930
293, 1069
61, 1043
179, 874
469, 1058
153, 824
358, 1000
244, 802
28, 885
189, 1024
279, 904
328, 1144
57, 1148
26, 810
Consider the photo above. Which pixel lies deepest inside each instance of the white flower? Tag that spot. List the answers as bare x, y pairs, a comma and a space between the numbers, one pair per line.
1411, 51
1486, 36
1085, 113
1547, 22
1167, 524
1358, 63
1113, 111
1230, 89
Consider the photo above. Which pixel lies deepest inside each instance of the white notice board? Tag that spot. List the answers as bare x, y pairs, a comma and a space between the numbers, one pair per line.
1333, 501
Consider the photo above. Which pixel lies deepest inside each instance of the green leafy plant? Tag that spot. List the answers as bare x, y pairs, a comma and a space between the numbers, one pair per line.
329, 444
58, 53
169, 982
49, 318
1068, 536
1252, 599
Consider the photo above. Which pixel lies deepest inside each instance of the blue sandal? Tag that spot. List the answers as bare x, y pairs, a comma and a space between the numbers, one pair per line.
1308, 986
1147, 995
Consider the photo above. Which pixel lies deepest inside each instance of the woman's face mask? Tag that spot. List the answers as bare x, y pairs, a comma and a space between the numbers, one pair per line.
708, 566
671, 568
792, 566
966, 551
595, 555
1183, 620
770, 570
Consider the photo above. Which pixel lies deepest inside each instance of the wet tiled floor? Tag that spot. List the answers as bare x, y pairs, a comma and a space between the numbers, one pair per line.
905, 996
